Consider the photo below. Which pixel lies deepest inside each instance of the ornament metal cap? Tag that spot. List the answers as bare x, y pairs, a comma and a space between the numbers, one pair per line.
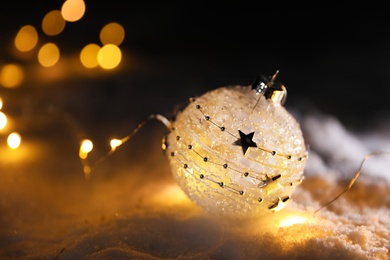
271, 88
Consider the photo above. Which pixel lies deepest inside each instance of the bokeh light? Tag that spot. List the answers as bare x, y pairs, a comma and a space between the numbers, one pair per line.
292, 220
85, 147
14, 139
1, 103
3, 120
11, 75
114, 143
48, 55
112, 33
89, 54
109, 56
26, 38
73, 10
53, 23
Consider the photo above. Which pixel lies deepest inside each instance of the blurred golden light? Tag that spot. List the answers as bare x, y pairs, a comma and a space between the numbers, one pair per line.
85, 147
88, 55
112, 33
53, 23
109, 56
48, 55
26, 38
14, 139
87, 171
73, 10
1, 103
3, 120
172, 194
11, 75
292, 220
114, 143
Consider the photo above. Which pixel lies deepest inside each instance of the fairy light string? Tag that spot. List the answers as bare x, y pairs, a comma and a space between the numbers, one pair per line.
353, 180
213, 173
223, 151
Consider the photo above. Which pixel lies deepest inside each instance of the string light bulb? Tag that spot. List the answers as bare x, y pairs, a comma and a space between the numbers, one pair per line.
114, 143
85, 148
3, 120
14, 140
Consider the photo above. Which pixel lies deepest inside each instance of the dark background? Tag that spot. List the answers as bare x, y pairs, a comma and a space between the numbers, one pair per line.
332, 60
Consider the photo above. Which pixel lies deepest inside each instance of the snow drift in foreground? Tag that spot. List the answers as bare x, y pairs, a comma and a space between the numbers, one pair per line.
140, 213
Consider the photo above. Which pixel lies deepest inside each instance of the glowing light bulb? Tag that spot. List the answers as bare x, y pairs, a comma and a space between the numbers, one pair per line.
109, 56
48, 55
11, 75
73, 10
3, 120
26, 38
89, 56
14, 139
53, 23
114, 143
112, 33
85, 148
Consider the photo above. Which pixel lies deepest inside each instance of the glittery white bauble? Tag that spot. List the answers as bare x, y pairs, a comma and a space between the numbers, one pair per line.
236, 153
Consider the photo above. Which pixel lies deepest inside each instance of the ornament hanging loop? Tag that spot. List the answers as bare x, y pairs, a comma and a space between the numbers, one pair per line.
270, 88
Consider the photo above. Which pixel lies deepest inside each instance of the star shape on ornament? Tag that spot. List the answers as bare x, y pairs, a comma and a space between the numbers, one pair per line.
245, 141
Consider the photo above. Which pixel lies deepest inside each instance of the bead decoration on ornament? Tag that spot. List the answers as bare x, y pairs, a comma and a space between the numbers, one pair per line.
236, 151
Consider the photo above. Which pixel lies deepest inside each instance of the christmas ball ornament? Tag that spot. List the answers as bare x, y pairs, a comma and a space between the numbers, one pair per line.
236, 151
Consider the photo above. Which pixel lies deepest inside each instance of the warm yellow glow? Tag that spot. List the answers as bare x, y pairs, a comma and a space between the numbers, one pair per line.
53, 23
3, 120
88, 55
87, 170
114, 143
109, 56
26, 38
171, 194
85, 147
14, 139
73, 10
279, 207
1, 103
292, 220
112, 33
48, 55
11, 75
83, 155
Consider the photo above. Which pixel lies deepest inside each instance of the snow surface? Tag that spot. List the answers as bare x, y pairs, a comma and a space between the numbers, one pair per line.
131, 208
